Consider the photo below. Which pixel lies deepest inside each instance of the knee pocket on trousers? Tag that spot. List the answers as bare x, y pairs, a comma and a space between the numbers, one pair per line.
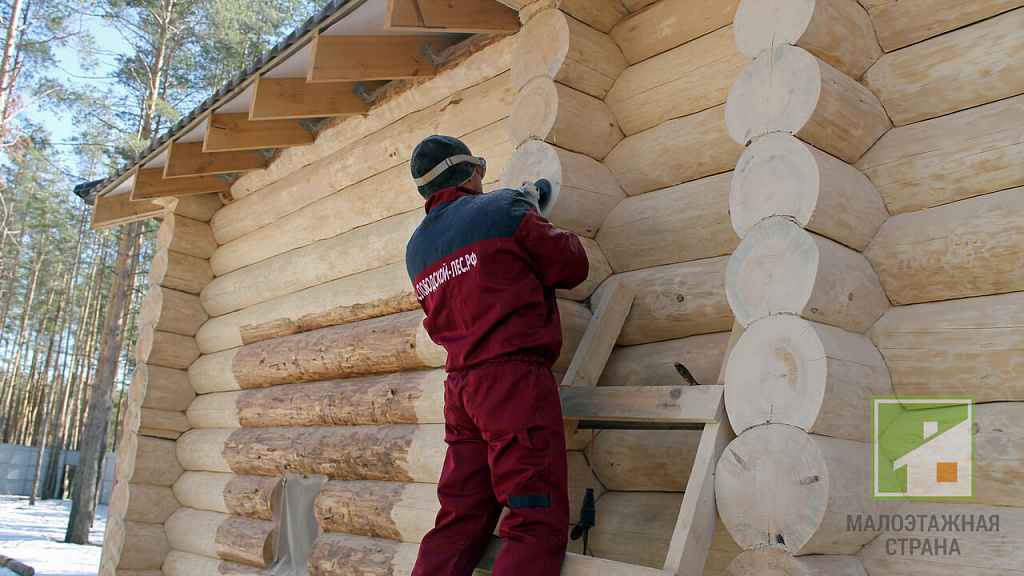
523, 467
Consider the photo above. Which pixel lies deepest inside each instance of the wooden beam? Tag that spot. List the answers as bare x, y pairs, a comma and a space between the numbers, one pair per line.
663, 404
283, 98
600, 337
350, 58
188, 159
228, 132
112, 210
150, 183
469, 16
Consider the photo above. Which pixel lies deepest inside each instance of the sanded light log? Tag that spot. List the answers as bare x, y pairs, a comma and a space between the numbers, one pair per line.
655, 364
970, 346
568, 51
777, 485
202, 450
666, 24
336, 554
601, 15
899, 24
837, 31
198, 207
734, 337
974, 65
179, 272
674, 152
213, 373
191, 237
166, 349
358, 250
635, 527
599, 270
390, 344
460, 114
172, 421
393, 510
788, 89
683, 81
949, 158
778, 562
165, 388
580, 478
588, 190
173, 311
780, 174
982, 552
144, 548
180, 563
675, 301
376, 292
203, 490
149, 504
644, 460
575, 319
968, 248
415, 397
215, 410
781, 268
557, 114
677, 224
410, 453
816, 377
194, 531
247, 541
998, 434
155, 462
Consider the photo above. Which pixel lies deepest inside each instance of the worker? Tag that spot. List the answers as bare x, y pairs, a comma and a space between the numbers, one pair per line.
485, 268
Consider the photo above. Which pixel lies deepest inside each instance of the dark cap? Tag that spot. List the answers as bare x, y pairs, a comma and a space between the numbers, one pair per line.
430, 155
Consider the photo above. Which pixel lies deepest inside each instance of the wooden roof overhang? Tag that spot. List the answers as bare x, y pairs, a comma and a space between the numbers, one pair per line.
334, 65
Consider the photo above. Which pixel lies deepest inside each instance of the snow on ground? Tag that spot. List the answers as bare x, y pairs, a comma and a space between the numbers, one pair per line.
34, 535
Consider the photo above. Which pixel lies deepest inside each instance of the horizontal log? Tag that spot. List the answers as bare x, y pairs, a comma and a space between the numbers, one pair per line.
247, 541
837, 31
635, 527
179, 272
982, 552
203, 490
779, 174
179, 563
202, 450
599, 271
212, 372
411, 453
964, 68
666, 24
644, 460
900, 24
380, 195
780, 268
365, 248
215, 410
581, 477
336, 554
256, 497
677, 224
168, 349
675, 301
588, 190
998, 435
656, 364
669, 404
149, 504
674, 152
200, 207
776, 485
191, 237
557, 46
972, 346
145, 546
685, 80
601, 15
949, 158
351, 161
390, 344
818, 378
968, 248
155, 462
392, 510
775, 561
169, 420
789, 90
194, 531
557, 114
575, 318
165, 388
173, 311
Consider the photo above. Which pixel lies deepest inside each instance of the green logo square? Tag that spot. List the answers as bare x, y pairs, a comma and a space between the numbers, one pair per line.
923, 447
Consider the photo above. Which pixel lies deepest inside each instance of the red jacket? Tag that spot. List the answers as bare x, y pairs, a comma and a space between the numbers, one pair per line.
485, 268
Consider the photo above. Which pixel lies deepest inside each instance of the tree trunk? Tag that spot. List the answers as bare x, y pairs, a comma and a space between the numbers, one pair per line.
83, 508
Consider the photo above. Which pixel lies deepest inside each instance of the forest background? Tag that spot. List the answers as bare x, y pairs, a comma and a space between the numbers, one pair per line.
85, 86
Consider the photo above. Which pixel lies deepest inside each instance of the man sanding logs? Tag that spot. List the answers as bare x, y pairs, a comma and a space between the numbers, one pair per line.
485, 268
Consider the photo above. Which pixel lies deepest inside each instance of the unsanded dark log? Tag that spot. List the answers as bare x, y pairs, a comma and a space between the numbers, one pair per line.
247, 541
394, 510
335, 554
253, 496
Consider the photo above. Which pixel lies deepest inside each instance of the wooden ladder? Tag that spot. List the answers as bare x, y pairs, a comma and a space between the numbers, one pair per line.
647, 407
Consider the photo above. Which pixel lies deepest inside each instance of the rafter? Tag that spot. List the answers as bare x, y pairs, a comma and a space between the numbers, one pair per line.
228, 132
150, 183
470, 16
280, 98
349, 58
188, 159
111, 210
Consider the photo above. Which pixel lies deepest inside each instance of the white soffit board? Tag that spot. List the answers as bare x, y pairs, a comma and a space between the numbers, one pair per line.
196, 134
236, 105
124, 187
296, 66
367, 20
158, 161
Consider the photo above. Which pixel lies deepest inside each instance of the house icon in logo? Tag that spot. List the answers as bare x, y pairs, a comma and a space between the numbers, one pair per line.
923, 447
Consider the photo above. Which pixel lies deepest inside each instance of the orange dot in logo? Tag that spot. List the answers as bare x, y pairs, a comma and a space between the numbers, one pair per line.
945, 472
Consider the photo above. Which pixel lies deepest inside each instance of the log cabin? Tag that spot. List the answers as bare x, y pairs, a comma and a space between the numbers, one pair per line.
800, 204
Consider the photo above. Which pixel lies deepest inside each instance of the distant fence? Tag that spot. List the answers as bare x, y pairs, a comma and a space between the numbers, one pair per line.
18, 466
